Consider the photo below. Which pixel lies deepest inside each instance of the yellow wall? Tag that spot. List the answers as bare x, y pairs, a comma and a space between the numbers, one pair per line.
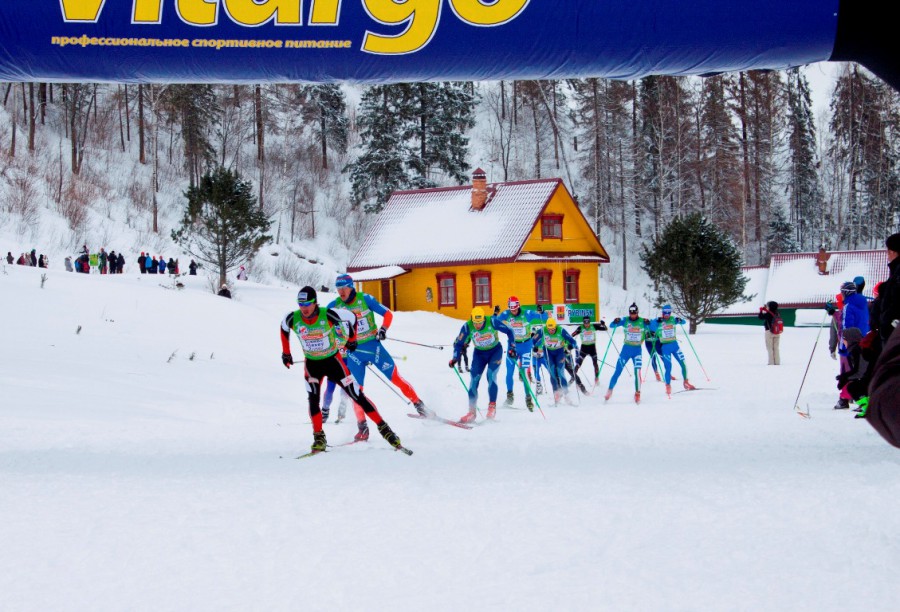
577, 235
506, 280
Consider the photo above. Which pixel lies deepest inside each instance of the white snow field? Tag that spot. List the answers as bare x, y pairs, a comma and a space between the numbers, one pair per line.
132, 481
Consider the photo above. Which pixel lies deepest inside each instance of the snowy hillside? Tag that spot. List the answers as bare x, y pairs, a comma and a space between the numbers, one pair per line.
135, 477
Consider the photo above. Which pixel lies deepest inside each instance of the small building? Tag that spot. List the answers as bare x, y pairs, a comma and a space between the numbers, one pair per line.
800, 281
450, 249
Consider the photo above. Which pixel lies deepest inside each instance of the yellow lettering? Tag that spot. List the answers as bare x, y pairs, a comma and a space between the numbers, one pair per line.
82, 10
199, 12
324, 12
421, 16
147, 11
478, 13
249, 13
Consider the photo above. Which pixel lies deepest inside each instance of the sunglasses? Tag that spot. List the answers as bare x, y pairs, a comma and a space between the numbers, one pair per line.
306, 304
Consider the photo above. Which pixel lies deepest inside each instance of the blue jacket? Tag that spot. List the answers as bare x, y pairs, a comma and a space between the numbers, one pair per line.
856, 313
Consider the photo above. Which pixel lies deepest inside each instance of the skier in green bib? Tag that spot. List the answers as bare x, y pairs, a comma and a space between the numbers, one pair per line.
588, 332
322, 334
635, 330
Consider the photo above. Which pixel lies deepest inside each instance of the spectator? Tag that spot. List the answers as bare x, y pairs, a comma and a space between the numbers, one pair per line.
887, 306
162, 264
120, 263
224, 292
33, 261
22, 261
242, 274
113, 262
104, 259
68, 261
883, 412
774, 326
42, 263
148, 265
141, 261
171, 266
177, 268
9, 258
193, 268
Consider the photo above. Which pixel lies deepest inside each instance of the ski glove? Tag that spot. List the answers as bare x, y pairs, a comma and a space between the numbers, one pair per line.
830, 309
382, 332
351, 345
540, 309
538, 353
287, 360
453, 362
603, 326
512, 352
616, 321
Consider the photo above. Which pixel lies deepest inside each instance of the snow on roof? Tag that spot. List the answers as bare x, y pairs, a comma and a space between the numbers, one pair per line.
757, 277
551, 257
433, 226
795, 282
382, 273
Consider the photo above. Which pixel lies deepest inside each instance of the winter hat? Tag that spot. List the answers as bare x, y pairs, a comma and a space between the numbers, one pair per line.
513, 302
633, 309
344, 280
306, 295
860, 283
772, 305
667, 309
848, 288
893, 242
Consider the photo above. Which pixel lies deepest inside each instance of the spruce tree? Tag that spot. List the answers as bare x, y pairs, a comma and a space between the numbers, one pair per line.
222, 225
803, 180
780, 238
695, 267
325, 108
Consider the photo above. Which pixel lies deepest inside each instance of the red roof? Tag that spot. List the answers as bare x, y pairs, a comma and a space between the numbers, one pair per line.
794, 279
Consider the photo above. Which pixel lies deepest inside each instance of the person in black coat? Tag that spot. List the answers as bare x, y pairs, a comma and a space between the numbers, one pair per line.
193, 268
883, 412
33, 258
9, 258
142, 263
224, 292
887, 305
120, 263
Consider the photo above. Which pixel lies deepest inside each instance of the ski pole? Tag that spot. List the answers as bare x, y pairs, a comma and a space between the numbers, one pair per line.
386, 384
803, 382
528, 389
461, 381
603, 361
576, 380
688, 336
431, 346
617, 350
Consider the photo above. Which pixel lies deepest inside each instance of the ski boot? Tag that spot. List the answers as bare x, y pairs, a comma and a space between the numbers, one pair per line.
363, 434
862, 407
319, 444
608, 395
669, 390
388, 434
842, 404
687, 385
658, 377
492, 411
557, 395
539, 388
581, 387
470, 415
596, 382
509, 399
422, 410
637, 397
529, 404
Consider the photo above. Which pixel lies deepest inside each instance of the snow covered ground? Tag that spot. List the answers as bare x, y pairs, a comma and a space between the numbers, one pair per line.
134, 477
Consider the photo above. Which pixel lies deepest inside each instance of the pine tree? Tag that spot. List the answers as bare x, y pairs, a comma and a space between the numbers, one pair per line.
222, 225
325, 107
806, 205
780, 237
696, 267
196, 108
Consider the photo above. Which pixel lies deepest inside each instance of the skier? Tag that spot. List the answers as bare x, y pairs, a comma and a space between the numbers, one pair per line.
538, 359
322, 333
370, 349
651, 343
558, 342
484, 334
521, 322
588, 332
635, 330
668, 347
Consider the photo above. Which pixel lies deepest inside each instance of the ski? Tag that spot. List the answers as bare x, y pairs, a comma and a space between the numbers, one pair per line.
404, 450
439, 420
696, 389
310, 454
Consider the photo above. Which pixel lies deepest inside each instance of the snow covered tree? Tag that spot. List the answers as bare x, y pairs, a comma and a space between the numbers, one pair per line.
196, 108
325, 107
780, 238
222, 225
806, 204
695, 267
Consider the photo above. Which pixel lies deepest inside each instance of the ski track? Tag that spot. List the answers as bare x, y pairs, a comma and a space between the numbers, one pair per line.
130, 482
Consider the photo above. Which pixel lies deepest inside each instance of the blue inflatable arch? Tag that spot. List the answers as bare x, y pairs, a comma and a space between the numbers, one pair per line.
375, 41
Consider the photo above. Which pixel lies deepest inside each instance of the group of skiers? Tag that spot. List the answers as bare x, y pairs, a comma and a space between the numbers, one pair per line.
28, 259
150, 264
343, 339
864, 339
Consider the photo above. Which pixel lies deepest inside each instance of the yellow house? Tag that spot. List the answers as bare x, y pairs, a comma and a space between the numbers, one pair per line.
450, 249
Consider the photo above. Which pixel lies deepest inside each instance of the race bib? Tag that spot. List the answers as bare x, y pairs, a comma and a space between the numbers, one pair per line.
481, 340
668, 332
518, 328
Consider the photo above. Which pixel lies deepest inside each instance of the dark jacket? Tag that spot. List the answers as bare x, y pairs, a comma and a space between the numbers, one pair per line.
884, 392
888, 308
193, 268
9, 258
120, 263
224, 292
768, 317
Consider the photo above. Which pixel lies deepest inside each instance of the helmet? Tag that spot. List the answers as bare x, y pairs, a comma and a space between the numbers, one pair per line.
477, 314
343, 280
667, 309
848, 288
586, 319
513, 302
551, 325
633, 309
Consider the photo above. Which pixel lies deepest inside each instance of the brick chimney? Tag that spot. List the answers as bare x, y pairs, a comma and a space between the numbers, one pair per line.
479, 189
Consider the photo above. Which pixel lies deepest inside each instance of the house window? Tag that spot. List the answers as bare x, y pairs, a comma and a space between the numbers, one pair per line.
570, 286
447, 287
551, 227
481, 288
542, 287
